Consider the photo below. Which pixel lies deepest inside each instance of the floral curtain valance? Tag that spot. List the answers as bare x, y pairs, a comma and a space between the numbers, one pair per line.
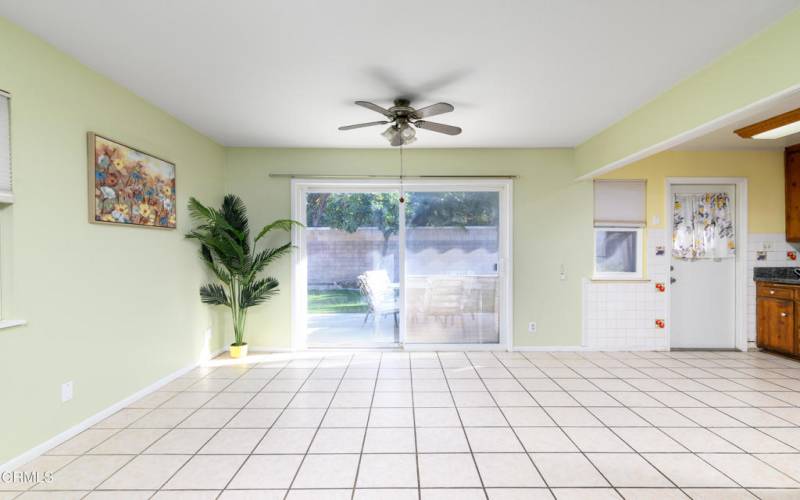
702, 226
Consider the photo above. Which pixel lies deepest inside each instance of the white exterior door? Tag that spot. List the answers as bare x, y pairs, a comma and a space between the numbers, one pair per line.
703, 291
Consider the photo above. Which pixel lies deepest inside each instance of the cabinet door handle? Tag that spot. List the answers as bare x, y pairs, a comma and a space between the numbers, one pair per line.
783, 315
772, 292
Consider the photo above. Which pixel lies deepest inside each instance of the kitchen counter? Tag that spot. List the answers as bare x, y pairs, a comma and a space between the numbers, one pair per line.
785, 275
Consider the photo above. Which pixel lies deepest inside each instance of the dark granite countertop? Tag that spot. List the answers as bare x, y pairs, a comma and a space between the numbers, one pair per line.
784, 275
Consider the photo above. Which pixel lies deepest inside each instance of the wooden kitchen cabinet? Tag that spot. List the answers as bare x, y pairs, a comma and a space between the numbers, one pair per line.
777, 306
792, 187
775, 324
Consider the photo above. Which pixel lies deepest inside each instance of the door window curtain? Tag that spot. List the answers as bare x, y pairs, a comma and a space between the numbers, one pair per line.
702, 226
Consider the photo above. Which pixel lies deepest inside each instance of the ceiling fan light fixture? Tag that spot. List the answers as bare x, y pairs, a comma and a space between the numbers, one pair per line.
390, 133
408, 133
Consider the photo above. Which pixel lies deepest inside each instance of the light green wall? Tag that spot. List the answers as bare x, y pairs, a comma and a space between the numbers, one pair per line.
112, 308
755, 70
552, 224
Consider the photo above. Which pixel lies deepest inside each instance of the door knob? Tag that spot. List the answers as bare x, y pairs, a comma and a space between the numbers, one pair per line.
772, 292
783, 315
672, 280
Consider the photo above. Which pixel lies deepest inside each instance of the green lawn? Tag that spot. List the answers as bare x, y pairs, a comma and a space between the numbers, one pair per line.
336, 301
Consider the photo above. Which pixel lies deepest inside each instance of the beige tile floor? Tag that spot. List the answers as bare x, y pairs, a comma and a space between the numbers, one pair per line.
396, 425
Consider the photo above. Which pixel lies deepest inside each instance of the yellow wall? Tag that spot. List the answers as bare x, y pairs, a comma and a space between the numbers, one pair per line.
763, 170
111, 308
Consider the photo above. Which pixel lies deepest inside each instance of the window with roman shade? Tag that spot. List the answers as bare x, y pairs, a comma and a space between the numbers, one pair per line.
619, 216
619, 203
6, 195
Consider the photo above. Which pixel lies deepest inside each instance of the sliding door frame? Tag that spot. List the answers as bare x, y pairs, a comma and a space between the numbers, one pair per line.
299, 280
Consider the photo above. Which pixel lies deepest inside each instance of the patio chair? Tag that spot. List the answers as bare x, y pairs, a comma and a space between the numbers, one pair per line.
378, 289
444, 300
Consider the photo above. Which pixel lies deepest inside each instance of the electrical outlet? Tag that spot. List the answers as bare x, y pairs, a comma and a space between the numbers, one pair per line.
532, 327
66, 391
767, 245
656, 220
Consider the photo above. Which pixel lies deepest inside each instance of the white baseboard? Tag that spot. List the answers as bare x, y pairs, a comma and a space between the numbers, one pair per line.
582, 348
97, 417
456, 347
268, 349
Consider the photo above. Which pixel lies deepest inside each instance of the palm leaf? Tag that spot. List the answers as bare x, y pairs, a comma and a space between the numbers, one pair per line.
210, 219
214, 294
200, 212
265, 257
258, 292
235, 213
283, 224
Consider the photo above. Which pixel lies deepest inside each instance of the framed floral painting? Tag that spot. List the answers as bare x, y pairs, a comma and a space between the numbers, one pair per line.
128, 186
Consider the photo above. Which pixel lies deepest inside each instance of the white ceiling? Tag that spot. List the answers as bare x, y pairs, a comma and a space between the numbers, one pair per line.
724, 138
521, 73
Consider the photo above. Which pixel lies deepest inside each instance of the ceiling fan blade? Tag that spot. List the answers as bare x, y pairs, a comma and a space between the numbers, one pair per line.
375, 107
433, 110
438, 127
361, 125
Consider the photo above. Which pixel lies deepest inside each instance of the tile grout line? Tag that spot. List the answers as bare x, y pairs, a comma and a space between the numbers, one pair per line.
461, 421
160, 406
222, 426
754, 373
366, 426
609, 429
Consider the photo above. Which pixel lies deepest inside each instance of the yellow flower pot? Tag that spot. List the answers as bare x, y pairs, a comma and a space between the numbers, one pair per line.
238, 351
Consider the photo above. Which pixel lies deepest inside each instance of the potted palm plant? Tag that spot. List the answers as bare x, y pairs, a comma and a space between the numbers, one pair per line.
228, 251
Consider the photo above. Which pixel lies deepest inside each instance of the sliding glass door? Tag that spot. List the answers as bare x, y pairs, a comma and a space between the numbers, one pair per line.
452, 245
353, 266
371, 271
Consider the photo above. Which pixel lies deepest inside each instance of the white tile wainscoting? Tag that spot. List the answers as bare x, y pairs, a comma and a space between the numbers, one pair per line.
623, 315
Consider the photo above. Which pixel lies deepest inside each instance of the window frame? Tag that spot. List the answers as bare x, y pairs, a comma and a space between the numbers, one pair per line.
7, 197
638, 274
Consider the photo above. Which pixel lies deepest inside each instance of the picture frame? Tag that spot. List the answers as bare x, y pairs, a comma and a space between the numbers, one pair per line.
128, 186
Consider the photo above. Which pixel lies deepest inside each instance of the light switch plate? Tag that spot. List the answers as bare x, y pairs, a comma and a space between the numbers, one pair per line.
66, 391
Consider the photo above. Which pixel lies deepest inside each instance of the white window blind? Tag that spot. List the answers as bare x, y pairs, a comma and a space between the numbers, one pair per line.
619, 203
5, 149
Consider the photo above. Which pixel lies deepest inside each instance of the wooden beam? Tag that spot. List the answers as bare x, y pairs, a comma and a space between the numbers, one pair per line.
769, 124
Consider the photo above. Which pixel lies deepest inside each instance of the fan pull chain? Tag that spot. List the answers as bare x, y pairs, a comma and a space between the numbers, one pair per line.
402, 193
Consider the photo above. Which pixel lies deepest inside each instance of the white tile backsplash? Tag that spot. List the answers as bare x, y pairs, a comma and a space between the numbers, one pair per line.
622, 316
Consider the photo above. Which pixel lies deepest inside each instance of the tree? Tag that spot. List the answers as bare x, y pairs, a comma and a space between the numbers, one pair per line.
350, 211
